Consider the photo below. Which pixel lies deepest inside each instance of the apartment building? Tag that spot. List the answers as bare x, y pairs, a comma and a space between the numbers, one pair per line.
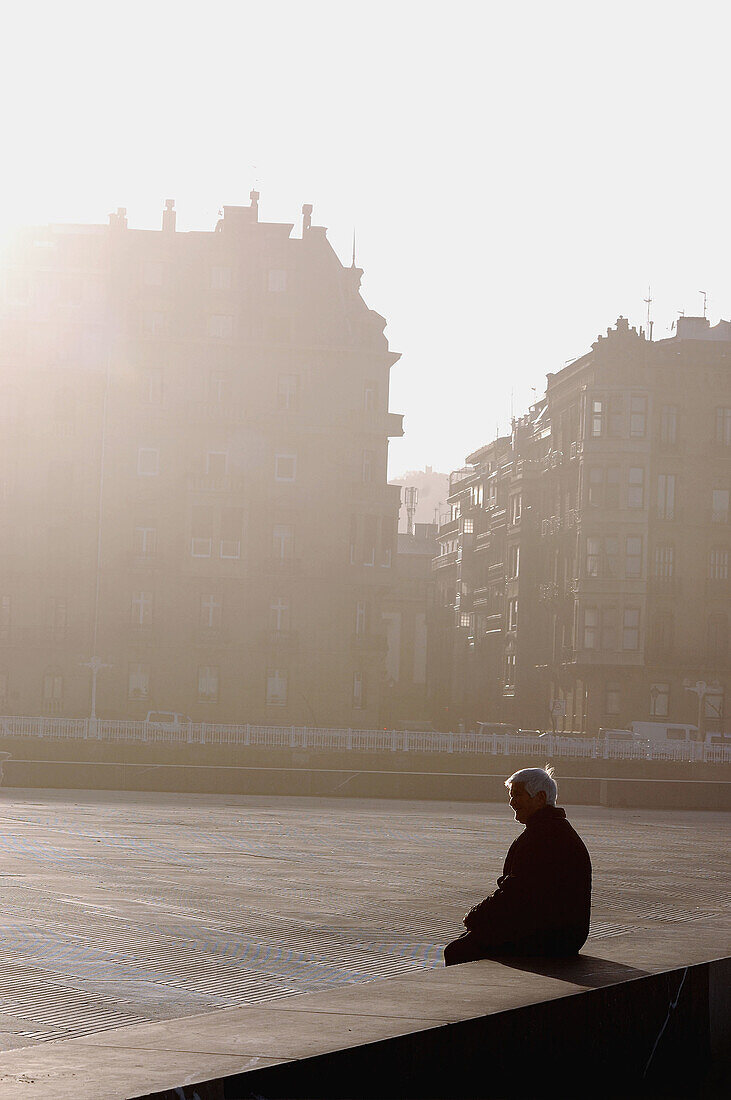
195, 513
583, 576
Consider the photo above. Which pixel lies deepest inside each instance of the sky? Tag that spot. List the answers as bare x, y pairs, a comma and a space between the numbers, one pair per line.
517, 175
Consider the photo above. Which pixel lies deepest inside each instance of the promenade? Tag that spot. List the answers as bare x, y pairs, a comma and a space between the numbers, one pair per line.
120, 909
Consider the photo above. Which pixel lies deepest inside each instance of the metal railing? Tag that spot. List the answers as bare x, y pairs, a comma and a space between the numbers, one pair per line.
363, 740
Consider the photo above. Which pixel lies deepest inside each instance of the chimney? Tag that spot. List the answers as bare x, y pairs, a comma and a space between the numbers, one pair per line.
168, 216
306, 217
254, 196
119, 220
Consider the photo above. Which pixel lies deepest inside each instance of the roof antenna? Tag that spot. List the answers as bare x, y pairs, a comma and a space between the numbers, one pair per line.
353, 263
705, 300
648, 303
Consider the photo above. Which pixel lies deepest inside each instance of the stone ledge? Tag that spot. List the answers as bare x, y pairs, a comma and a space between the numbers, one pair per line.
676, 794
456, 1032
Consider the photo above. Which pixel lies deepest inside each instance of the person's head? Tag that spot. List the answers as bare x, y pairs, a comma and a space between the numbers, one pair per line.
530, 790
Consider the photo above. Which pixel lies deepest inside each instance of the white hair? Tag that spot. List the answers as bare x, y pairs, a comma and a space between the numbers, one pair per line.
535, 780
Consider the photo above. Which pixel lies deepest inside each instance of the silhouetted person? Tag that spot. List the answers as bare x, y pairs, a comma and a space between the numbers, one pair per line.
543, 897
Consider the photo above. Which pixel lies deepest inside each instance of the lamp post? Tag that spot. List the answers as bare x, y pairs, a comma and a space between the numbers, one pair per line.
96, 665
702, 689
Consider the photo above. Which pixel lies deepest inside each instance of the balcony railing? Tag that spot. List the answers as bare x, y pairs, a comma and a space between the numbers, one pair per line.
463, 474
444, 560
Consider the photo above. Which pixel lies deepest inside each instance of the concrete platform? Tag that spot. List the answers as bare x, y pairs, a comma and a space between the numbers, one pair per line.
282, 947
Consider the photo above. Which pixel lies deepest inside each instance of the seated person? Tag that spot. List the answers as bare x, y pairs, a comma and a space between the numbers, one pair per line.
543, 897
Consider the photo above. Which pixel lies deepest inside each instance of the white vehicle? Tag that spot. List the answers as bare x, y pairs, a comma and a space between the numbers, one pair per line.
167, 720
666, 731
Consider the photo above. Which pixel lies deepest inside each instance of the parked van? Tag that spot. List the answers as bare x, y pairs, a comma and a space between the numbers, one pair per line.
666, 731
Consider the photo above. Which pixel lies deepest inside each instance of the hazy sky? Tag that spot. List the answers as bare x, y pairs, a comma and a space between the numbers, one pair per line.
517, 174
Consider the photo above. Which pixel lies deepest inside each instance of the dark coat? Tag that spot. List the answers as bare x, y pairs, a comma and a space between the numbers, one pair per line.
543, 898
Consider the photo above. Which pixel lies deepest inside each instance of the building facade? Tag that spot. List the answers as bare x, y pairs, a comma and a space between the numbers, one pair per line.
195, 512
583, 575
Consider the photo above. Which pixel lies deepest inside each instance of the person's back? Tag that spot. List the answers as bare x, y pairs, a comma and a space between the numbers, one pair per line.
543, 899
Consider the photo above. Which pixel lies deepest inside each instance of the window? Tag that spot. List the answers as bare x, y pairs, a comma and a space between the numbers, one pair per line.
208, 684
593, 556
719, 505
637, 416
597, 419
285, 467
231, 523
5, 617
220, 326
515, 507
633, 556
509, 670
636, 487
216, 463
283, 542
669, 424
279, 614
465, 620
718, 565
3, 692
468, 526
144, 542
666, 496
664, 562
141, 608
370, 533
367, 466
360, 617
210, 613
659, 700
388, 540
596, 486
138, 680
661, 637
591, 627
631, 628
220, 278
57, 617
358, 691
616, 415
609, 629
611, 556
717, 636
723, 427
611, 489
277, 281
276, 687
370, 396
52, 692
148, 462
514, 560
612, 693
151, 381
201, 530
219, 387
287, 391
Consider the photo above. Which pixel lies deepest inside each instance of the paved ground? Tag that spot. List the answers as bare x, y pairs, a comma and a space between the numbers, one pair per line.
120, 908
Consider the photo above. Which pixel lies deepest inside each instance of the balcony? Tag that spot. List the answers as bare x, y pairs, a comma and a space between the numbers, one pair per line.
481, 596
458, 476
451, 526
444, 560
376, 422
493, 623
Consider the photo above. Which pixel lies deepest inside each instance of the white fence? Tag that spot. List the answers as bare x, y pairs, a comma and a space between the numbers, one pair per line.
307, 737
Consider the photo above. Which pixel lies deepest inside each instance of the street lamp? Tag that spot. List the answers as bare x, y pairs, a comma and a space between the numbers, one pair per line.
96, 665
